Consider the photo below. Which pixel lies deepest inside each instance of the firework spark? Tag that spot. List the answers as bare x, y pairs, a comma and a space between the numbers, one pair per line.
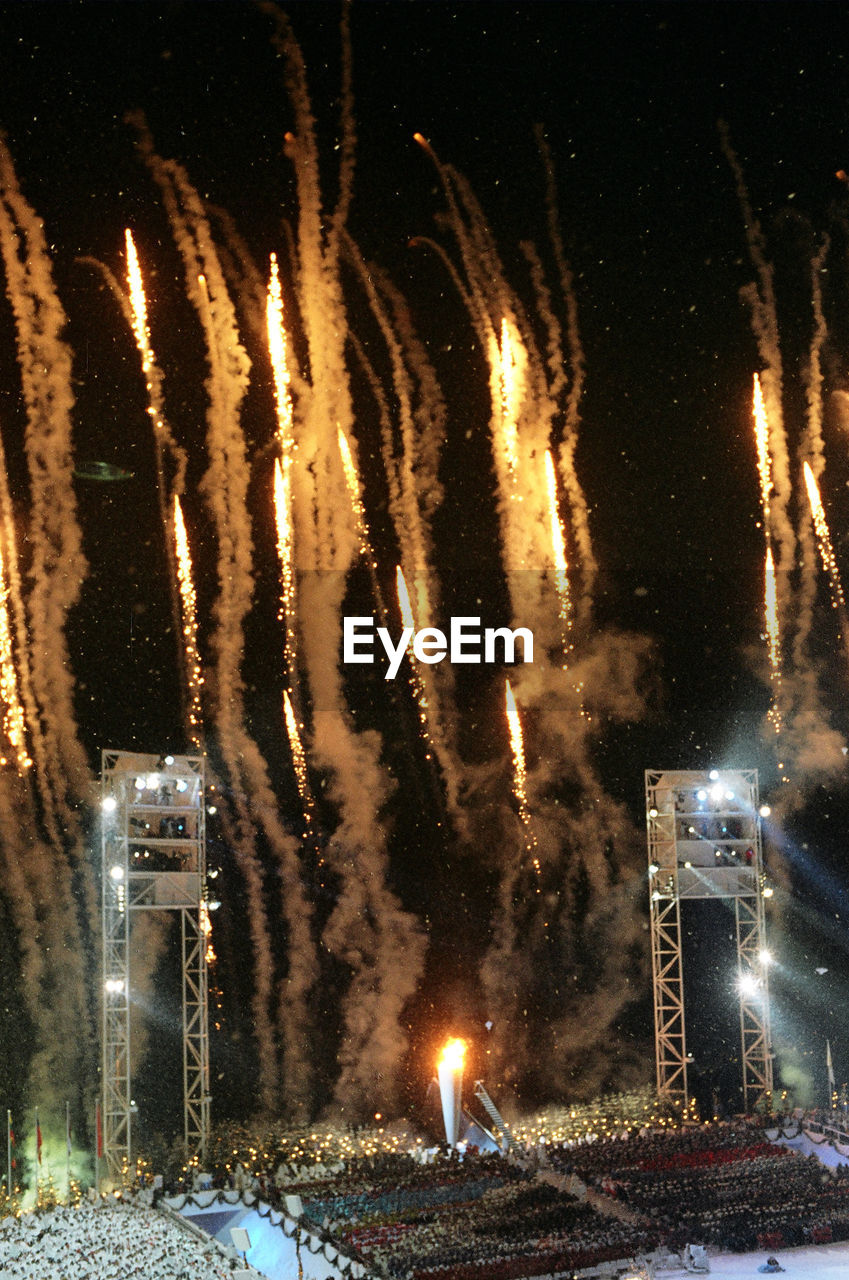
520, 774
278, 347
14, 723
558, 551
188, 598
299, 765
508, 361
762, 442
773, 639
416, 684
826, 547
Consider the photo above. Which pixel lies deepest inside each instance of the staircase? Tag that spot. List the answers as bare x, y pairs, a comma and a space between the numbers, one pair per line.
502, 1129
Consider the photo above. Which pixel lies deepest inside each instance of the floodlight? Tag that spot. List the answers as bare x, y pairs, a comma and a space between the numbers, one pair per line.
109, 804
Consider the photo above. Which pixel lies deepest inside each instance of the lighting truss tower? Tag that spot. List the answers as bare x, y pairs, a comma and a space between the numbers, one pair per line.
153, 859
704, 841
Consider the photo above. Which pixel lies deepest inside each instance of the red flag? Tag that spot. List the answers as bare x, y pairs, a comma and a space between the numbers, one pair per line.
37, 1136
99, 1129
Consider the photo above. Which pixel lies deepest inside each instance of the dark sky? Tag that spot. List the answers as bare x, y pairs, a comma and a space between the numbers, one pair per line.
630, 96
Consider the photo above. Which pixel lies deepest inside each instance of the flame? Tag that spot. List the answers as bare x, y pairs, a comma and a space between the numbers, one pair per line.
453, 1055
188, 601
520, 773
824, 539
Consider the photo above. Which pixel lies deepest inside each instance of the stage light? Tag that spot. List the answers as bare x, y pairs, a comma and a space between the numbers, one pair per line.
653, 868
212, 810
109, 805
768, 892
116, 872
652, 813
114, 986
181, 785
152, 781
729, 795
701, 794
713, 775
764, 811
688, 865
717, 792
747, 984
169, 760
765, 956
139, 784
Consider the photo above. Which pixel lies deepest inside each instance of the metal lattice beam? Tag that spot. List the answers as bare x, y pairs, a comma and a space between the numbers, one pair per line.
704, 841
153, 859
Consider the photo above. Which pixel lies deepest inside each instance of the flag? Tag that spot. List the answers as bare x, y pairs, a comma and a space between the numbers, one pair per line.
830, 1069
37, 1137
68, 1127
99, 1129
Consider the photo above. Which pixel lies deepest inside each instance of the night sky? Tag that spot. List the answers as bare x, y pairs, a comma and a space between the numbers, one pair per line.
630, 98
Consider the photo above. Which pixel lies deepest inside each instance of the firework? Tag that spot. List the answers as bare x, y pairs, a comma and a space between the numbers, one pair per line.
520, 774
299, 764
762, 443
14, 723
824, 539
188, 599
558, 550
773, 639
416, 683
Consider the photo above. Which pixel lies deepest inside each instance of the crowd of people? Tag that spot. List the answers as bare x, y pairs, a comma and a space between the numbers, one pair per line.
462, 1219
410, 1213
109, 1240
722, 1185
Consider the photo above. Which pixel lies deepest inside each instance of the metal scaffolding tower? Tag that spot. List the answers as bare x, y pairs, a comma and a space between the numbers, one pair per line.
704, 841
153, 859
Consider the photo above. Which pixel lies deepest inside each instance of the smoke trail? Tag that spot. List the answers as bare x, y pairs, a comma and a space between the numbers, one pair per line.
566, 930
809, 746
225, 489
759, 296
567, 392
57, 569
411, 466
58, 565
189, 630
380, 944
